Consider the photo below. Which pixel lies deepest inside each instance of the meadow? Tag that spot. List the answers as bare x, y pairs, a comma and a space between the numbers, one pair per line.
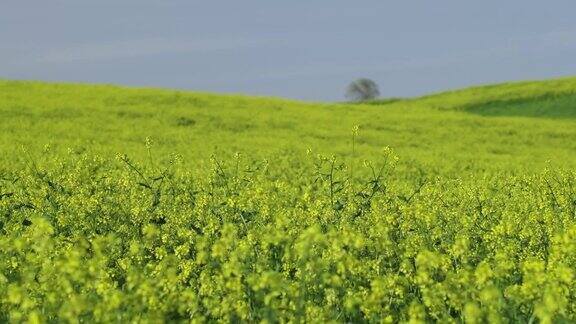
148, 205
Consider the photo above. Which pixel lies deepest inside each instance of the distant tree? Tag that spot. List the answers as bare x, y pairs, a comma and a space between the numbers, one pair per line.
362, 89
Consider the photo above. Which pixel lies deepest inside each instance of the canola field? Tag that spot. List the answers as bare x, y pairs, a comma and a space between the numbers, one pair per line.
144, 205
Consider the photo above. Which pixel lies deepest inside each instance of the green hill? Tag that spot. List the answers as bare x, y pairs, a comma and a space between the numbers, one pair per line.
483, 128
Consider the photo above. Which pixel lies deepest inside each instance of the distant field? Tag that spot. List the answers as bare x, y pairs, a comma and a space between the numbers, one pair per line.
510, 127
145, 205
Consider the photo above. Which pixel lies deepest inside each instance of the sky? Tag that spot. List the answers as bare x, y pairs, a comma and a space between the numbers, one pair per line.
300, 49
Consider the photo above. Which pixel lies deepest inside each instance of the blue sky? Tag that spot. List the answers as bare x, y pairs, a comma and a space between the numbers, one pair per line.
296, 49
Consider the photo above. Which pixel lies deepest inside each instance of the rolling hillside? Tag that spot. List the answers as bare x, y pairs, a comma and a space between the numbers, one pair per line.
508, 127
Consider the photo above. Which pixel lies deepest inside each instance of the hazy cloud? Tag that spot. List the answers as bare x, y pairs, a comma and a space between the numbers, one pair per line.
548, 42
143, 47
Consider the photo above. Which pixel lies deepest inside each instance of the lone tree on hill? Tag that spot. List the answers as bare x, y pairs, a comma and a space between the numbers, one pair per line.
362, 89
